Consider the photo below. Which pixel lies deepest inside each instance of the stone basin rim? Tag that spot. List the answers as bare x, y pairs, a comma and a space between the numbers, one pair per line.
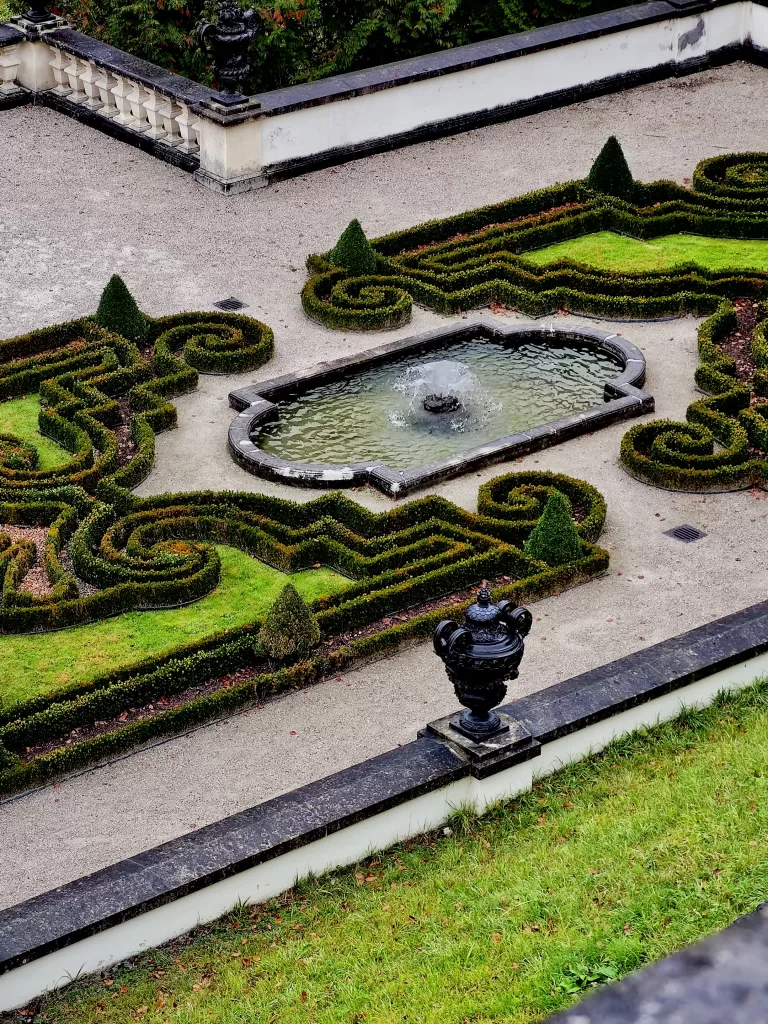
256, 404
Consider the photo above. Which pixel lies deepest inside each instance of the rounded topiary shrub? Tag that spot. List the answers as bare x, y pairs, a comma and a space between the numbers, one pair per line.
610, 172
290, 629
555, 539
353, 252
119, 313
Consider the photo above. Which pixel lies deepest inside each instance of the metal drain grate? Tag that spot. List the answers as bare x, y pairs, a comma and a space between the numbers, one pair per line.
687, 534
230, 304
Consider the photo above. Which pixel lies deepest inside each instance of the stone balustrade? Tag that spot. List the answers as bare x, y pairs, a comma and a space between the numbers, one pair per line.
136, 105
297, 129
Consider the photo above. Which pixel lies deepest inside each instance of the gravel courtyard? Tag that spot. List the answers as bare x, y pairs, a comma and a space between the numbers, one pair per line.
76, 206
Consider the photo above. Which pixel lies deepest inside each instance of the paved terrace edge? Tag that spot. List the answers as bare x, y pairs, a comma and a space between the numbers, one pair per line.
132, 887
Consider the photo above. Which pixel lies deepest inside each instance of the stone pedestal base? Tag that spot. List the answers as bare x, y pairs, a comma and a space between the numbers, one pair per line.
511, 745
217, 184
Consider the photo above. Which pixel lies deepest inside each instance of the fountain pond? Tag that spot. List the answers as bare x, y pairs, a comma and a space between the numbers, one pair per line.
417, 411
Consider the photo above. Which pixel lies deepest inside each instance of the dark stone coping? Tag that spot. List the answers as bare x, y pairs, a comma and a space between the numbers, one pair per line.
132, 887
720, 979
474, 55
10, 35
256, 405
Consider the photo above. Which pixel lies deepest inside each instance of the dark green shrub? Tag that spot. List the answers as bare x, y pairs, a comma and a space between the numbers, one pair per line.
118, 311
290, 629
684, 456
555, 539
610, 172
353, 252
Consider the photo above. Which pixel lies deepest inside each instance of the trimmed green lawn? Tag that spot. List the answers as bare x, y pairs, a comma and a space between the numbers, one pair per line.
606, 250
18, 416
37, 663
612, 863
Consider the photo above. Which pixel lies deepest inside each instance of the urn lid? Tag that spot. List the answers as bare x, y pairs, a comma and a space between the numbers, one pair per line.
483, 613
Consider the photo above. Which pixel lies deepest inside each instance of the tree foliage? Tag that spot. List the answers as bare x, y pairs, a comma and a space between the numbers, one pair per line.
610, 172
119, 313
303, 40
555, 539
353, 252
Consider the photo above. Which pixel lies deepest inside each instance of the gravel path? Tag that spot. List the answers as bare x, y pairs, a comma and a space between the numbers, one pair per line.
76, 206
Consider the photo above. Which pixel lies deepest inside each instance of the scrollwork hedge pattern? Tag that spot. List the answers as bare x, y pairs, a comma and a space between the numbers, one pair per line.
478, 258
108, 551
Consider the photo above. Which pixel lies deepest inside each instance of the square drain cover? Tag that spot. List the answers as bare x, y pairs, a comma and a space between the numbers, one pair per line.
230, 304
687, 534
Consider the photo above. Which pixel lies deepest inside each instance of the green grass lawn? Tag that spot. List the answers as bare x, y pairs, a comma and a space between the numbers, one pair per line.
610, 864
18, 416
37, 663
606, 250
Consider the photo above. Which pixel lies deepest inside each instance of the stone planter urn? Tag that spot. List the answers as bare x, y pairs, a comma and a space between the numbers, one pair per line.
480, 657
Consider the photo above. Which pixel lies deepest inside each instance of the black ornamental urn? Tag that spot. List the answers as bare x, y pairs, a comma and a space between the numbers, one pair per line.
38, 13
229, 42
480, 657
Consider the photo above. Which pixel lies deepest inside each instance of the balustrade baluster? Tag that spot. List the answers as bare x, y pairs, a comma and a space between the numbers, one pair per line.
9, 68
188, 129
90, 79
121, 92
136, 98
105, 84
59, 66
73, 71
169, 113
154, 105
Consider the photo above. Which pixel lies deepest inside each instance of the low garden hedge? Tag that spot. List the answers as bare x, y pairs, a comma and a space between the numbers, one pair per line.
478, 257
722, 445
160, 550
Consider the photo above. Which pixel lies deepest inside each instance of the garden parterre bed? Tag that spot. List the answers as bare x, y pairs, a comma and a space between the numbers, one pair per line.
723, 445
483, 256
610, 864
120, 567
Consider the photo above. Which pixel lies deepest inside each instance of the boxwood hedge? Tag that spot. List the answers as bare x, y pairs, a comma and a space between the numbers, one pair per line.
723, 443
478, 257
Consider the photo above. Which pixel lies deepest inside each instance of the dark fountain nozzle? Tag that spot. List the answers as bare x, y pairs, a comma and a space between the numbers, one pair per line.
480, 657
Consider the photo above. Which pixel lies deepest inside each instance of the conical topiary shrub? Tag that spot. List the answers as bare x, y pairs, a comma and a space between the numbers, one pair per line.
353, 252
610, 173
290, 629
119, 313
555, 539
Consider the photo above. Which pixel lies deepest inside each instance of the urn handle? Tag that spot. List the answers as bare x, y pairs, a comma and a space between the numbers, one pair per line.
519, 619
442, 635
450, 638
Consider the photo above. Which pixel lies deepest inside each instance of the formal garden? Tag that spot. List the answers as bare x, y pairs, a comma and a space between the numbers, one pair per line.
127, 617
89, 567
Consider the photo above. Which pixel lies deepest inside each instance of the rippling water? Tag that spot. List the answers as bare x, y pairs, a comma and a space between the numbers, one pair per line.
360, 419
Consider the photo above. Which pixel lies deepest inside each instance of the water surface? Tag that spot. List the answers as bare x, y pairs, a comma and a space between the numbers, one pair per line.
365, 418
